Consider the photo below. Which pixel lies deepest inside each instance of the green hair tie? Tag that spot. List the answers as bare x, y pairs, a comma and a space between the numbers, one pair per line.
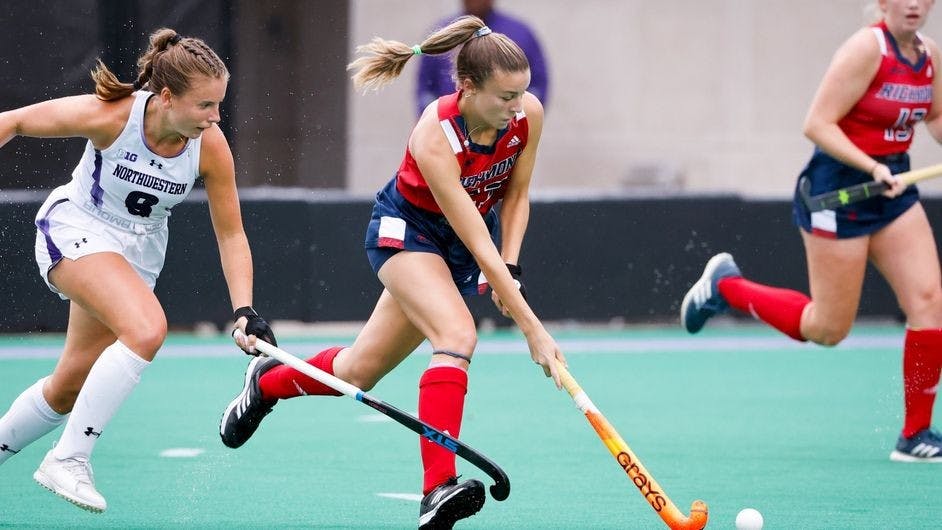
417, 50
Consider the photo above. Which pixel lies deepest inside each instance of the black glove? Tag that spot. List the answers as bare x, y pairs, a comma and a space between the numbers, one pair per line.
517, 272
255, 325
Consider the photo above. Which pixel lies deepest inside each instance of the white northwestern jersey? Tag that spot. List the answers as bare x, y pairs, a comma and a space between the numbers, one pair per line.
127, 182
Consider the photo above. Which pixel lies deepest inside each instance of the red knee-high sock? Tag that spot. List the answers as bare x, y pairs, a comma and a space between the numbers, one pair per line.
777, 307
922, 363
284, 382
441, 404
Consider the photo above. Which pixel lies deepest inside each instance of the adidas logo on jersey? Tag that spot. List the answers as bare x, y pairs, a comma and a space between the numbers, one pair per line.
513, 141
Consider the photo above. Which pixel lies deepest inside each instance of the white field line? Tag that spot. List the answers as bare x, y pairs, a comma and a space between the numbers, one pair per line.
415, 497
182, 452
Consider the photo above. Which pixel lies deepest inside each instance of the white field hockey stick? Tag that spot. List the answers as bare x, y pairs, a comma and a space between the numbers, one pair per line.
501, 487
640, 477
858, 192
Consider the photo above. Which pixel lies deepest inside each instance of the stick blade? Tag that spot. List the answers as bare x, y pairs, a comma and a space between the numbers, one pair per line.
500, 490
804, 191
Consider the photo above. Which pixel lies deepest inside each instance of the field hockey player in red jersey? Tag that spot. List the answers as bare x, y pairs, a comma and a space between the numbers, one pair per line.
880, 83
432, 234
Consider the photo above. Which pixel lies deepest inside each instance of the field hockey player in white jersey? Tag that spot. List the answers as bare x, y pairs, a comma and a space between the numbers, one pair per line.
101, 241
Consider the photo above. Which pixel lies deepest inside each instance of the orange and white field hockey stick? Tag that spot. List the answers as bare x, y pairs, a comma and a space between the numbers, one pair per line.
639, 475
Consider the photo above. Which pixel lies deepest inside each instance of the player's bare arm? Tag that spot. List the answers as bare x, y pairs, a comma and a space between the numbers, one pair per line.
83, 116
218, 171
515, 208
852, 68
934, 119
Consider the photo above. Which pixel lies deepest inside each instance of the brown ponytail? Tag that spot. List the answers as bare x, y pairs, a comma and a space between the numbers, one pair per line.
170, 61
481, 53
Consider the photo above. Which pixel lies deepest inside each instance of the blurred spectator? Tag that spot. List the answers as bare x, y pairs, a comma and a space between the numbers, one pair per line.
436, 77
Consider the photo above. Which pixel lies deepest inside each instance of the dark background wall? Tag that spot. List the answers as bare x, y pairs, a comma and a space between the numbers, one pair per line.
592, 261
275, 51
47, 52
291, 59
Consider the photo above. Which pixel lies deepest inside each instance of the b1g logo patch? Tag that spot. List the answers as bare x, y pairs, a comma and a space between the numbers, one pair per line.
131, 157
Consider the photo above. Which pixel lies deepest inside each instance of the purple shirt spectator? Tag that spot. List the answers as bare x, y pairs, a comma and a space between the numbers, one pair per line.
436, 71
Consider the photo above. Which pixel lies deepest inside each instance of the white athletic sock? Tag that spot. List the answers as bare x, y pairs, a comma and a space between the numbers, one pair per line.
29, 419
110, 381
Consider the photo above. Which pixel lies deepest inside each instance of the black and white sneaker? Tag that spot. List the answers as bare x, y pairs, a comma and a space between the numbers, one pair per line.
245, 411
450, 502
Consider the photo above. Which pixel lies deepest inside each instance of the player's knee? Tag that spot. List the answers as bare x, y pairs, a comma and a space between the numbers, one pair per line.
363, 372
924, 309
830, 335
466, 348
825, 329
827, 334
362, 378
461, 340
456, 333
145, 339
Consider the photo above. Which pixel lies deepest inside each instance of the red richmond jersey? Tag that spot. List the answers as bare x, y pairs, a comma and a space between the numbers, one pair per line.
485, 171
881, 123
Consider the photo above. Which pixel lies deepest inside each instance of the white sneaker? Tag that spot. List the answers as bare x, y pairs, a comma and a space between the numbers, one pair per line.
71, 479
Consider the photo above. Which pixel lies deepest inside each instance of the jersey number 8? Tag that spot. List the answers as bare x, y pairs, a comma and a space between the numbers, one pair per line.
140, 203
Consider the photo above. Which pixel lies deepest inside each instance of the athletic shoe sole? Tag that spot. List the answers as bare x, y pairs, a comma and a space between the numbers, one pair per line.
45, 481
899, 456
447, 514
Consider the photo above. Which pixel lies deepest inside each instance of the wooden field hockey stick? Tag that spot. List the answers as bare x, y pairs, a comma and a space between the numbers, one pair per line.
639, 475
859, 192
500, 490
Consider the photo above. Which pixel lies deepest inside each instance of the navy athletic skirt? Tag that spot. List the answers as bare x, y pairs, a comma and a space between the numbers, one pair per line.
397, 224
865, 217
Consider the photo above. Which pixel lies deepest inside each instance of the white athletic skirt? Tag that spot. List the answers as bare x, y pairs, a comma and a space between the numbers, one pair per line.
65, 229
